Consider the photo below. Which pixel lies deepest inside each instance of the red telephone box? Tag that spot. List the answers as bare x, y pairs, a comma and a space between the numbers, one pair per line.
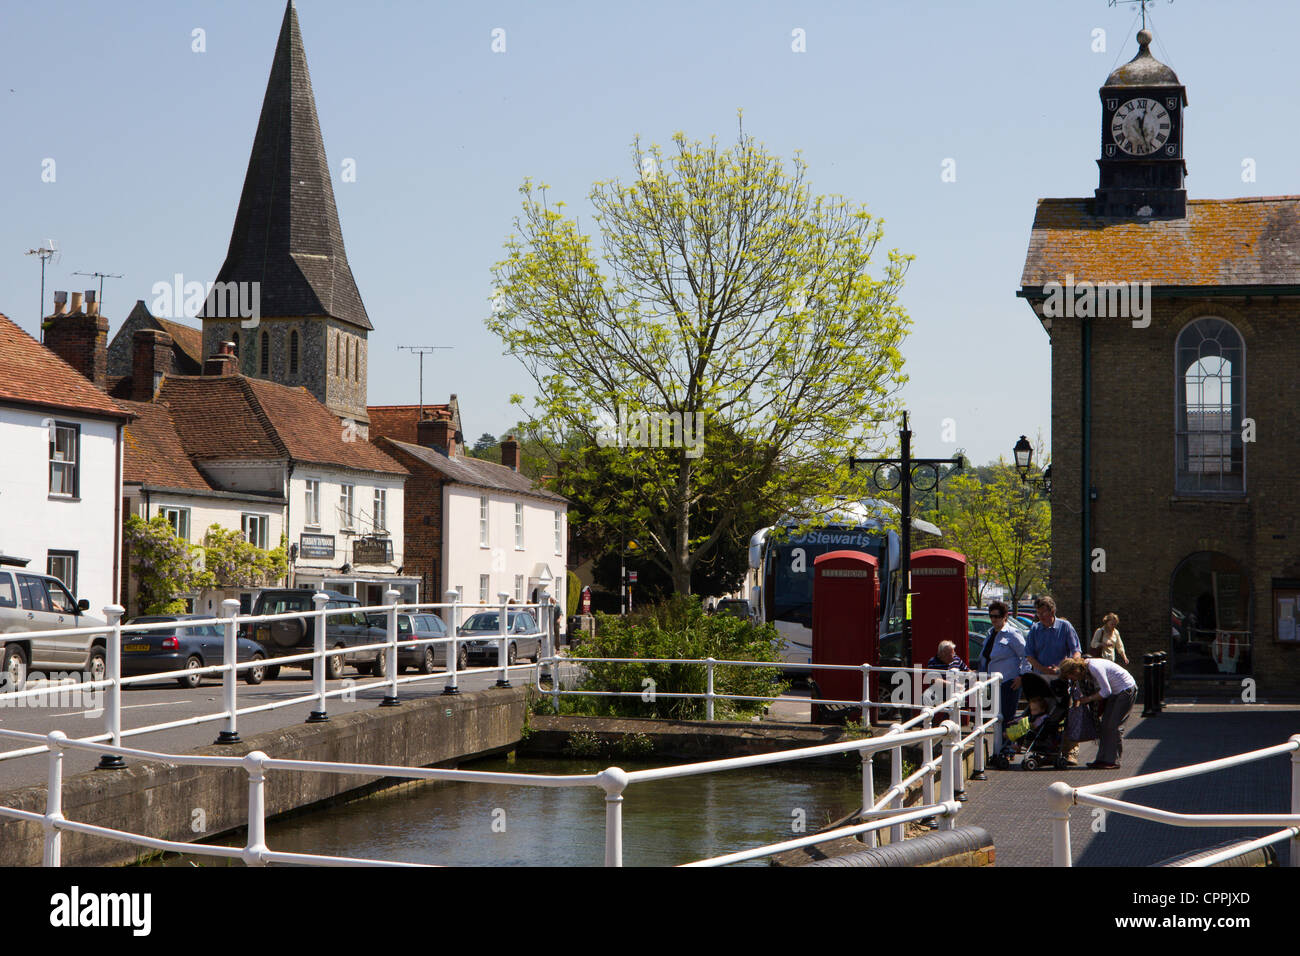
845, 623
939, 604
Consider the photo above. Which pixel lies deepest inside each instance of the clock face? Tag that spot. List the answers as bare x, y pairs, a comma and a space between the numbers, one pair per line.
1141, 126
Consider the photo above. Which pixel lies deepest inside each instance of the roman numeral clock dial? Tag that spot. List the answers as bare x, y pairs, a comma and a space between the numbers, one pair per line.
1140, 127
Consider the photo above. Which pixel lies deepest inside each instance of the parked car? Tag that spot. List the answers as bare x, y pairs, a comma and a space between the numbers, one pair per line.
39, 602
525, 636
298, 635
426, 658
738, 608
185, 647
979, 621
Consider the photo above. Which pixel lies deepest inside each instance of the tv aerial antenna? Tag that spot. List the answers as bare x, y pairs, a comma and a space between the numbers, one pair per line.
422, 351
101, 276
46, 252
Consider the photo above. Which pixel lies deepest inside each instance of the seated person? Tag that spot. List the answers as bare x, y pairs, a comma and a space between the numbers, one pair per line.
946, 659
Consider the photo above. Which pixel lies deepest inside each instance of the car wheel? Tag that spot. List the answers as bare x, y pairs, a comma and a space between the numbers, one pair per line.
380, 666
192, 679
255, 675
272, 671
428, 662
15, 667
512, 654
97, 666
462, 658
334, 666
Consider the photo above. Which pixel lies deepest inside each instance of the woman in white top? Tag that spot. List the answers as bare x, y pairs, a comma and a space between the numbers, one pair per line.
1106, 641
1117, 688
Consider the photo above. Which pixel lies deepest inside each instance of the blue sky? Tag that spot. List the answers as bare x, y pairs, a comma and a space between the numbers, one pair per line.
151, 142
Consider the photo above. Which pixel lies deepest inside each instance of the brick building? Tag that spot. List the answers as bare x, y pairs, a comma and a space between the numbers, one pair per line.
1174, 448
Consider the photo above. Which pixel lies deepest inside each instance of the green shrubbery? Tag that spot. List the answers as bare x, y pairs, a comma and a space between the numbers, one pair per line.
677, 629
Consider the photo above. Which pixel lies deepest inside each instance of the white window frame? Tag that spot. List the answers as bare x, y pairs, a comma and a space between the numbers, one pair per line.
519, 526
484, 588
65, 463
256, 528
519, 589
347, 506
381, 510
311, 509
56, 556
483, 529
559, 532
179, 519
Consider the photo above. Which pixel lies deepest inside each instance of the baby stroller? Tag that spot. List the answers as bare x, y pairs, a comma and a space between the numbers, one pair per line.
1039, 736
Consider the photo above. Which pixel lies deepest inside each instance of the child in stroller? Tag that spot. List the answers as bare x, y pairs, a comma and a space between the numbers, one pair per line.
1039, 731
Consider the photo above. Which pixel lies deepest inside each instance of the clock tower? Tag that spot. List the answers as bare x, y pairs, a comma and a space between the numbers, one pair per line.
1141, 164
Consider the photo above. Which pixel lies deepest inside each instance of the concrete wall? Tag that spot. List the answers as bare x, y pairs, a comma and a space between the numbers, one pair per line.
162, 801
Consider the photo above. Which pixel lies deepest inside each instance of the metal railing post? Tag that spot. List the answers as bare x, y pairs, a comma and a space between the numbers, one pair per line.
896, 783
868, 792
546, 621
1295, 799
981, 740
229, 608
113, 671
948, 777
959, 767
391, 596
1060, 796
999, 735
53, 853
453, 646
613, 780
320, 623
256, 848
866, 696
708, 696
503, 652
927, 755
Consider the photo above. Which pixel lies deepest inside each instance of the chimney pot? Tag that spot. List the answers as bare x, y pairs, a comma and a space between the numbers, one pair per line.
510, 452
60, 303
76, 302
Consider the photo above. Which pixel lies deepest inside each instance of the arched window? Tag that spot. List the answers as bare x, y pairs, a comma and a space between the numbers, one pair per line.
293, 352
348, 366
266, 353
356, 370
1210, 612
1210, 381
337, 346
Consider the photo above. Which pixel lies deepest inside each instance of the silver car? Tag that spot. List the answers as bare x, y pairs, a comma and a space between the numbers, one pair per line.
525, 637
40, 603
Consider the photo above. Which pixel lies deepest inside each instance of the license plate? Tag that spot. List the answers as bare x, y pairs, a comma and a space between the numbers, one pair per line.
263, 633
135, 647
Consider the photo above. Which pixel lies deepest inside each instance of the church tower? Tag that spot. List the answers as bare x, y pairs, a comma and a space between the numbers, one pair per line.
1141, 164
308, 326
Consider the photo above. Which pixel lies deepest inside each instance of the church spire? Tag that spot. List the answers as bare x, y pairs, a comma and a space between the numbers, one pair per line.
287, 235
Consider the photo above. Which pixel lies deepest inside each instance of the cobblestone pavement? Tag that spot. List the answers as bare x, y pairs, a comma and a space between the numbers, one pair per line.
1012, 804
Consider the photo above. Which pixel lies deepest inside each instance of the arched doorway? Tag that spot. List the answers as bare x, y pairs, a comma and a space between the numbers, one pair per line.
1210, 617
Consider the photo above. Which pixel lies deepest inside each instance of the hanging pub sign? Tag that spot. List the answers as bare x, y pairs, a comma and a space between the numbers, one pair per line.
372, 551
316, 546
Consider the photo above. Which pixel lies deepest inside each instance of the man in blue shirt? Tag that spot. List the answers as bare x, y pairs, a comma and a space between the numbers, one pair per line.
1051, 641
1004, 653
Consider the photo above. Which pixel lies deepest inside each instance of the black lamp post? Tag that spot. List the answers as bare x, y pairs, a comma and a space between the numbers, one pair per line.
1024, 453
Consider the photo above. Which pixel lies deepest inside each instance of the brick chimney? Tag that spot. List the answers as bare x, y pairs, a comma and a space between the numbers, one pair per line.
224, 362
510, 453
80, 338
151, 359
438, 434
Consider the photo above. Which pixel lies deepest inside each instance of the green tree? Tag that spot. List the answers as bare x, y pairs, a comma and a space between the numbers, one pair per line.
164, 565
726, 296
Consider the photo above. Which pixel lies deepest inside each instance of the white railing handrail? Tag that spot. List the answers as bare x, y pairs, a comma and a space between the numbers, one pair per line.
1061, 797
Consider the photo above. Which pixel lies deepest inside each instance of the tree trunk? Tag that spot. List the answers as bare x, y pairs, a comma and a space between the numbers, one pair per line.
682, 557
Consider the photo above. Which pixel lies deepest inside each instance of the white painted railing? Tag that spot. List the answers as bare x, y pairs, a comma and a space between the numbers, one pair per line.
614, 781
231, 622
1061, 797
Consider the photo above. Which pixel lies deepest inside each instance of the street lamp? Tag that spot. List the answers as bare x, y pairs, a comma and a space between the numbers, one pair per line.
1024, 453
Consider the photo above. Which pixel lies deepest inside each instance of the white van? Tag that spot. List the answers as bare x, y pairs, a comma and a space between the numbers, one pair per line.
40, 603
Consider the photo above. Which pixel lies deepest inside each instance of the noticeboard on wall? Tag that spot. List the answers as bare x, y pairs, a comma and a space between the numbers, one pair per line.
1286, 613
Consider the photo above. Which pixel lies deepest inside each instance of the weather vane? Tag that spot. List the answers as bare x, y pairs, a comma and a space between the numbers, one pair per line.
1144, 3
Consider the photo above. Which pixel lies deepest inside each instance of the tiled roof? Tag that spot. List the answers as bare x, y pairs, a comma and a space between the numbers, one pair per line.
153, 453
31, 374
187, 338
399, 421
473, 471
287, 234
235, 417
1222, 242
